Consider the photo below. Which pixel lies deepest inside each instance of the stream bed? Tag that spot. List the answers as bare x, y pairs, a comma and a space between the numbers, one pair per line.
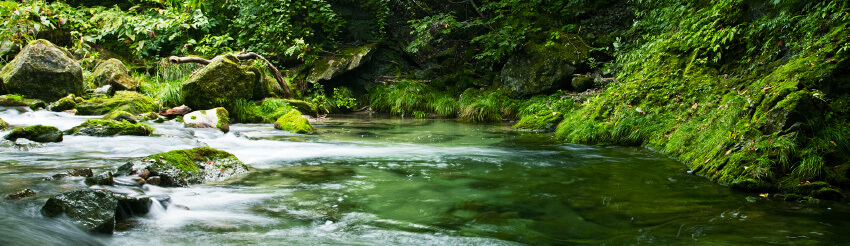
369, 180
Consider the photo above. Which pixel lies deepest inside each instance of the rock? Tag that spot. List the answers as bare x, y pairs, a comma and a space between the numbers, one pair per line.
66, 103
316, 173
143, 173
219, 84
827, 193
38, 133
90, 210
176, 111
129, 101
330, 68
131, 206
105, 128
193, 166
112, 72
304, 107
293, 122
82, 172
540, 68
543, 121
213, 118
43, 71
154, 180
104, 178
126, 169
138, 180
121, 116
3, 124
21, 194
12, 101
106, 90
581, 83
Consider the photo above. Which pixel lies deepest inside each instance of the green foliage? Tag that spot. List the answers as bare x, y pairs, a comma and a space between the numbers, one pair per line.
164, 85
342, 98
486, 106
404, 98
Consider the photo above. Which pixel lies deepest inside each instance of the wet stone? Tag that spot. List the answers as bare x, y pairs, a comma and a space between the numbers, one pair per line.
21, 194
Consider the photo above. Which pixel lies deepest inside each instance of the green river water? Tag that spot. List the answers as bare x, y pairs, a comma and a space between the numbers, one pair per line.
365, 180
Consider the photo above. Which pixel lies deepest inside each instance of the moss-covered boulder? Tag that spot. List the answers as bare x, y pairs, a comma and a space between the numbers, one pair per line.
543, 121
128, 101
213, 118
540, 68
293, 122
44, 71
181, 168
121, 116
330, 68
305, 107
66, 103
90, 210
37, 133
104, 128
113, 72
581, 83
219, 84
12, 101
3, 124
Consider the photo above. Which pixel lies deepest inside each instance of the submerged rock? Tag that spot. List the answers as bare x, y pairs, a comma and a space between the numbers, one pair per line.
192, 166
21, 194
128, 101
293, 122
90, 210
81, 172
213, 118
113, 73
105, 128
219, 84
38, 133
539, 68
130, 206
43, 71
316, 173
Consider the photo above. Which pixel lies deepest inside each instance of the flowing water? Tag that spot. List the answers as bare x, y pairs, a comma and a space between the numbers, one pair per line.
378, 181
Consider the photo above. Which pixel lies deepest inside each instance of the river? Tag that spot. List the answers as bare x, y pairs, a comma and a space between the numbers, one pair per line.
370, 180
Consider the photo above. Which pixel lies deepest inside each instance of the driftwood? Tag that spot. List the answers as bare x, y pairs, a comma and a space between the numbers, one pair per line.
241, 56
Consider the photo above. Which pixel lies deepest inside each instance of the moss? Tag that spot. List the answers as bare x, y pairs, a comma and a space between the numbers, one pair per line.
223, 119
104, 128
304, 107
121, 116
128, 101
66, 103
219, 84
541, 121
3, 124
12, 101
37, 133
293, 122
185, 160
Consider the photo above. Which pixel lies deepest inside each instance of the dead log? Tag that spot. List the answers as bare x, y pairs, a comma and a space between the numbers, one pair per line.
241, 56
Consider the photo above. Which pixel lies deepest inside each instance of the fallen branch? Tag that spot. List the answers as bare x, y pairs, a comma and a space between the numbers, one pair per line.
241, 56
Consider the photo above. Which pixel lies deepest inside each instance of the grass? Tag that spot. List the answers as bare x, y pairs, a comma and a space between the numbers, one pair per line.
164, 85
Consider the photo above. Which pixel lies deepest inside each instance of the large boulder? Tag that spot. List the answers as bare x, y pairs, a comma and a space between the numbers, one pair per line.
294, 122
104, 128
129, 101
219, 84
330, 68
37, 133
43, 71
192, 166
112, 72
213, 118
90, 210
540, 68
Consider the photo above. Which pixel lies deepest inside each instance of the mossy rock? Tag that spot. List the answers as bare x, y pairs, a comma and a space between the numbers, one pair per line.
581, 83
753, 185
90, 210
43, 71
213, 118
193, 166
540, 68
37, 133
121, 116
543, 121
104, 128
3, 124
113, 72
66, 103
350, 59
12, 101
293, 122
219, 84
304, 107
129, 101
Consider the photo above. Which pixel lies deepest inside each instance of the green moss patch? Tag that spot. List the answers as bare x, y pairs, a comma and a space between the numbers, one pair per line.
542, 121
37, 133
186, 162
104, 128
293, 122
128, 101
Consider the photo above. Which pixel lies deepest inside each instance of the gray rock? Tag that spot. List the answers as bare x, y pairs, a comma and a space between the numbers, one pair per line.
90, 210
130, 206
219, 84
540, 68
43, 71
330, 68
38, 133
181, 168
104, 178
113, 73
